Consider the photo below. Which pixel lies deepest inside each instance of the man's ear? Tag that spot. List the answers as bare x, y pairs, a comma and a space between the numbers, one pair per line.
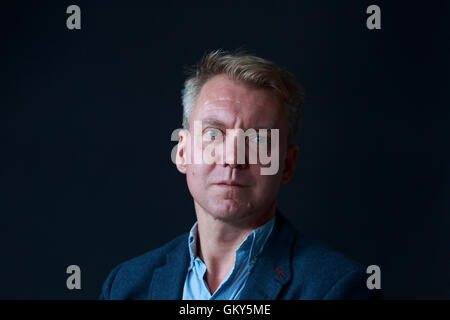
182, 151
289, 163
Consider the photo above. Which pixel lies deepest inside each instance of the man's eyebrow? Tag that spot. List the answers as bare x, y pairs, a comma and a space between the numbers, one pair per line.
270, 127
218, 123
213, 122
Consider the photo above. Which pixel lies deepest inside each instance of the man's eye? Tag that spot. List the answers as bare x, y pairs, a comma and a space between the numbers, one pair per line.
260, 139
212, 133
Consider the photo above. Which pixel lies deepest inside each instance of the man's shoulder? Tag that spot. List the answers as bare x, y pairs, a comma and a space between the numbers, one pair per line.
312, 255
315, 257
154, 257
322, 272
319, 271
127, 279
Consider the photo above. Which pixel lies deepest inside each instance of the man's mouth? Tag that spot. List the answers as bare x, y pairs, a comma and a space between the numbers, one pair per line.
230, 184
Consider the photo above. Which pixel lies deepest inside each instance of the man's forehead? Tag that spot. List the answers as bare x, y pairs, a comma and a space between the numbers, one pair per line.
229, 116
221, 90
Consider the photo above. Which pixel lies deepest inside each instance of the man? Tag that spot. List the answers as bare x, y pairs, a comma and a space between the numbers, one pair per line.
241, 246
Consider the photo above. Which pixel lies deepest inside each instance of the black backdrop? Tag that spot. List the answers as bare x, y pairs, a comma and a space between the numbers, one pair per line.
86, 118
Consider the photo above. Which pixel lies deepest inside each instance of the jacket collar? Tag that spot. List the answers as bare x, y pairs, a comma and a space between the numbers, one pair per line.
270, 273
168, 280
273, 269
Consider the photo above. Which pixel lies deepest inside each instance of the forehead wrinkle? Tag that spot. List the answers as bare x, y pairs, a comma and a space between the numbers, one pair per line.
223, 104
212, 121
221, 98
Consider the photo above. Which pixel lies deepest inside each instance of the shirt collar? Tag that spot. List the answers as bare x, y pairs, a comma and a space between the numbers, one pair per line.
250, 247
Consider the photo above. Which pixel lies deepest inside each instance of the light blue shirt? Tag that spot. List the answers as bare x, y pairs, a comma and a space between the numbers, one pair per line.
195, 287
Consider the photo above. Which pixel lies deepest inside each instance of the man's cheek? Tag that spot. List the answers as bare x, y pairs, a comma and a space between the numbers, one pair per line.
199, 172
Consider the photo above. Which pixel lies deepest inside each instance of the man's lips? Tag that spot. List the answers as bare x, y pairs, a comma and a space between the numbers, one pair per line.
230, 184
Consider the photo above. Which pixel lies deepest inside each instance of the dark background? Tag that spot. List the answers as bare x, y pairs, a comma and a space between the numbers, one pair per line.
86, 118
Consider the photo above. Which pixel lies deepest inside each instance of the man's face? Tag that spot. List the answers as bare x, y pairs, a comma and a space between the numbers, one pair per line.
225, 189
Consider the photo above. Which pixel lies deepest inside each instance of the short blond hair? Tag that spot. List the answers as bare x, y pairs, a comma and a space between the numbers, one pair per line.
251, 70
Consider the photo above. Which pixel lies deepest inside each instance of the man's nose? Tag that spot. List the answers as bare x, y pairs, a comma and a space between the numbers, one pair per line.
235, 153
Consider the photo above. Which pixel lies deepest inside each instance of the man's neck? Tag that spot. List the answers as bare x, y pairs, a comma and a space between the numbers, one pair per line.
218, 241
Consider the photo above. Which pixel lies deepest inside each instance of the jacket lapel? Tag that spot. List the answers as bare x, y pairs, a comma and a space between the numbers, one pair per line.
168, 280
273, 268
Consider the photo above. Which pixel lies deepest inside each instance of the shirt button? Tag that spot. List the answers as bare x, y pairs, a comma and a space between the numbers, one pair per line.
252, 261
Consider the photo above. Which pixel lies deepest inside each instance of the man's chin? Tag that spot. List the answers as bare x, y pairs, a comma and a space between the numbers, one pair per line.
230, 213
